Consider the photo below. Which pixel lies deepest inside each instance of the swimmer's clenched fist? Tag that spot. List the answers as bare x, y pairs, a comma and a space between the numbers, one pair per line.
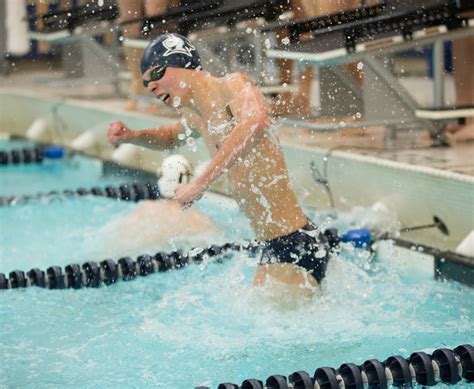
119, 133
187, 194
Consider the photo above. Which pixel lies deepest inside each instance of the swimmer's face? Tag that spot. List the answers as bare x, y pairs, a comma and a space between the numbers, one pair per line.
156, 73
164, 83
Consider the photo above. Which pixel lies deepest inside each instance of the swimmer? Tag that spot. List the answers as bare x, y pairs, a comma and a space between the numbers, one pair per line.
232, 117
160, 224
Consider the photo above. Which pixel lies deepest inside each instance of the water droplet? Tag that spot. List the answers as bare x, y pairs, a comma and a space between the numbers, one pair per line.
285, 41
358, 115
360, 65
182, 85
176, 101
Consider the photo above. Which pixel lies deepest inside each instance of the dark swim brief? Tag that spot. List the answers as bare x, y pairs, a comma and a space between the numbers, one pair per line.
307, 248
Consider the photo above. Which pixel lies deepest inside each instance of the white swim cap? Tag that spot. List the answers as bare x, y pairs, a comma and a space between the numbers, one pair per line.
175, 170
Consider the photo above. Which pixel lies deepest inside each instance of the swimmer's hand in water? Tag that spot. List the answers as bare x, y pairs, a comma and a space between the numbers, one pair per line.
119, 133
187, 194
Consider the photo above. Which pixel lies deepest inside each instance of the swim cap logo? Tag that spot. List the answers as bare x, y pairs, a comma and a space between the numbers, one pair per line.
176, 45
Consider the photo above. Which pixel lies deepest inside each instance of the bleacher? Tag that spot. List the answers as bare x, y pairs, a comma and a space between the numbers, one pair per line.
242, 36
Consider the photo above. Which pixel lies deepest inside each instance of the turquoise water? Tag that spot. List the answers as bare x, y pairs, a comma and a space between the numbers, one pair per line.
204, 324
85, 227
9, 144
70, 172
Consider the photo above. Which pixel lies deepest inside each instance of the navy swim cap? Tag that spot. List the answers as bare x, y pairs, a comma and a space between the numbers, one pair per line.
172, 50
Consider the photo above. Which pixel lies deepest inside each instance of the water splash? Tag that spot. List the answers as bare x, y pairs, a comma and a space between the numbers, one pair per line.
176, 102
209, 315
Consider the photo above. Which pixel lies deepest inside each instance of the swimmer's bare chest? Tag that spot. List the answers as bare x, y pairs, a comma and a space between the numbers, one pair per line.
213, 128
258, 180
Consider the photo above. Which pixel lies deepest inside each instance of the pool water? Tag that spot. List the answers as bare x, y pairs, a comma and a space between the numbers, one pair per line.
206, 324
10, 144
75, 230
71, 172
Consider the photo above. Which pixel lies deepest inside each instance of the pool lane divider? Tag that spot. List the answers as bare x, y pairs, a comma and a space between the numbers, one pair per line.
128, 192
93, 275
30, 155
444, 366
21, 156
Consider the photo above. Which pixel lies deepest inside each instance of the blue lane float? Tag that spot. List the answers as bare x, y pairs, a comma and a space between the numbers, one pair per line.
53, 152
361, 237
443, 366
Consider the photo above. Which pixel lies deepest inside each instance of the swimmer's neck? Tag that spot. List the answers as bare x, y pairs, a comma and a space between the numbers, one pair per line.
201, 84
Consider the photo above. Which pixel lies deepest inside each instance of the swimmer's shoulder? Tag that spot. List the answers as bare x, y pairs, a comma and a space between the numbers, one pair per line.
236, 82
238, 77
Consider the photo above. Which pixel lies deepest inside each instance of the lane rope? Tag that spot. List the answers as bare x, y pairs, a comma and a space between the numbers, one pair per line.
127, 191
443, 366
95, 274
21, 156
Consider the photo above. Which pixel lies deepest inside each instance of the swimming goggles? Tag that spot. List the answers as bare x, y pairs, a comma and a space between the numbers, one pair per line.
155, 75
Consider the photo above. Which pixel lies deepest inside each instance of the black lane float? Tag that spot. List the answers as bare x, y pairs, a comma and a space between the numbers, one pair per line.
129, 192
94, 274
442, 366
19, 156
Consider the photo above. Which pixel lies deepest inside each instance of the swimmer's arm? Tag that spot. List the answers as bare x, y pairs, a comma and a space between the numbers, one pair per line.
252, 119
161, 138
